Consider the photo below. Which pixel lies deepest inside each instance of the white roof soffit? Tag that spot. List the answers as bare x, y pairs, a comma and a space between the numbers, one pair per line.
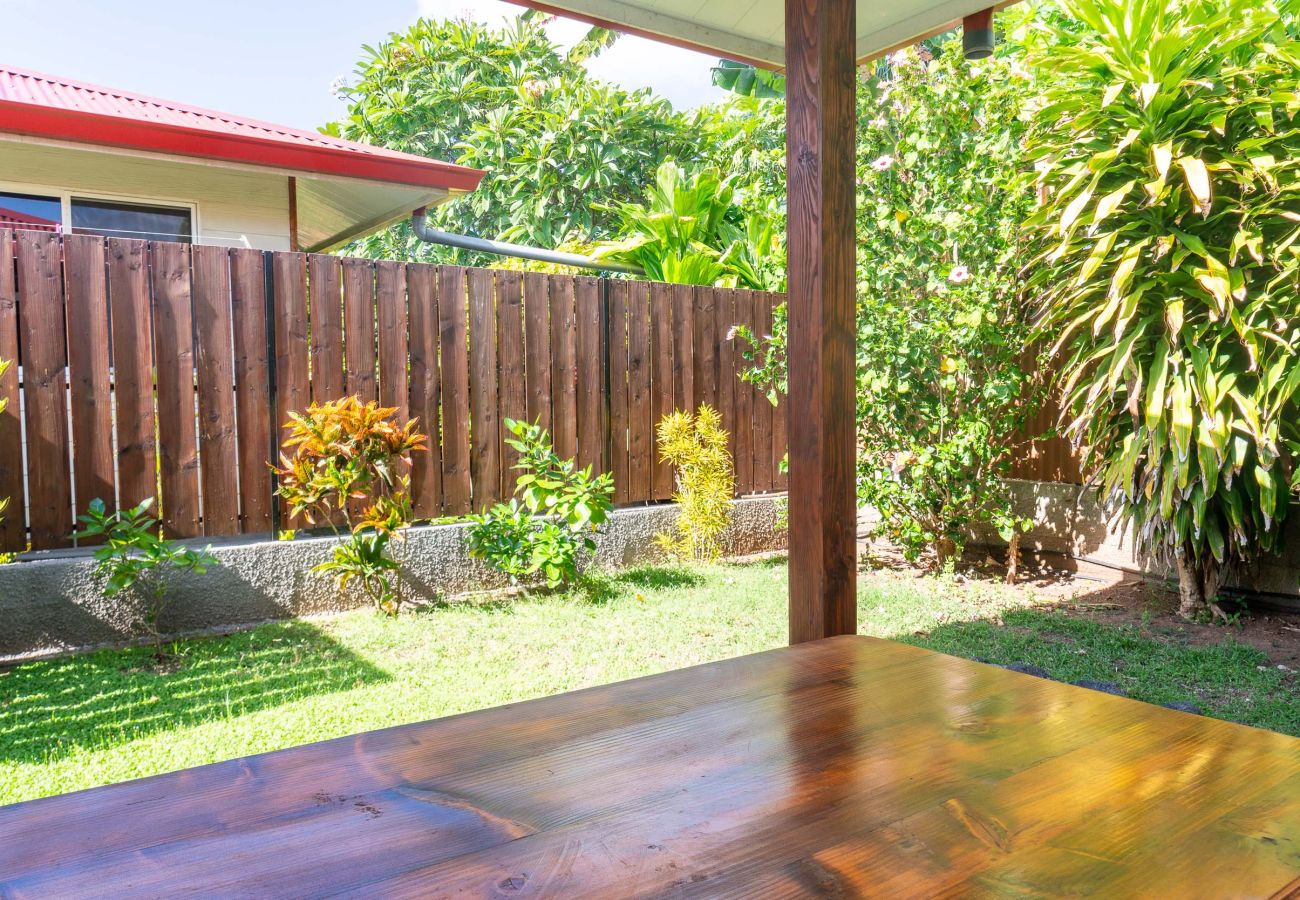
753, 31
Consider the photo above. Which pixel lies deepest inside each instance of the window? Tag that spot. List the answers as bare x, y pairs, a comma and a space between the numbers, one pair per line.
31, 212
112, 218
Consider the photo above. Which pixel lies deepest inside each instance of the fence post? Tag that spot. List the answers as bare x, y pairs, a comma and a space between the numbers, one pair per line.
268, 294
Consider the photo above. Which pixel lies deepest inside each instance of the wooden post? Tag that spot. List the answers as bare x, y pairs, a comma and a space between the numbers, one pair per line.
820, 119
293, 214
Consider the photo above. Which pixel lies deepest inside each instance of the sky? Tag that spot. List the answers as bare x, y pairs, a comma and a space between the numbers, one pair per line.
274, 59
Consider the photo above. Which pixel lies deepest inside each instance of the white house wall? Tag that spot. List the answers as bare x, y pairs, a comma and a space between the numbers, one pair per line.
234, 208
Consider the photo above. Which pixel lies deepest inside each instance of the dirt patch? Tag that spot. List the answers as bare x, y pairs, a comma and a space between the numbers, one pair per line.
1102, 595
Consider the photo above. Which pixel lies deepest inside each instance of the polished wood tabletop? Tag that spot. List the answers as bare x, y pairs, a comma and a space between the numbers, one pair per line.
843, 767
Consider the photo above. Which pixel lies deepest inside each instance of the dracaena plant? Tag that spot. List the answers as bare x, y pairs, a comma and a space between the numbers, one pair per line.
1167, 154
345, 461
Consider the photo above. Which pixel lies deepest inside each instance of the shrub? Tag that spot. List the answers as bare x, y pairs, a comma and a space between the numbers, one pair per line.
345, 463
551, 518
943, 384
696, 448
1168, 275
136, 559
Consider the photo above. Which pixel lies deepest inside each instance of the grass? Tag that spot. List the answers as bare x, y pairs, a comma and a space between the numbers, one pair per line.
105, 717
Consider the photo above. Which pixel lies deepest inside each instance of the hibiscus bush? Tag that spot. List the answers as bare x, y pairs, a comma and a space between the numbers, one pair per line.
944, 382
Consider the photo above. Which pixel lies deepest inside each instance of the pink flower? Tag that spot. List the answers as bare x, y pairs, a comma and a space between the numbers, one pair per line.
882, 163
732, 332
959, 275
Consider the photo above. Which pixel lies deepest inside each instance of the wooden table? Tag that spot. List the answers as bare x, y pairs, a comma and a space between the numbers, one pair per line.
844, 767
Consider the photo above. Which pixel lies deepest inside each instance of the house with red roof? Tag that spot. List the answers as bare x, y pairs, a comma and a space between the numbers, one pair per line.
81, 158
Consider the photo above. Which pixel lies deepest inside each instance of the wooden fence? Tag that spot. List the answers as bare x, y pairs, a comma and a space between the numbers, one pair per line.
164, 370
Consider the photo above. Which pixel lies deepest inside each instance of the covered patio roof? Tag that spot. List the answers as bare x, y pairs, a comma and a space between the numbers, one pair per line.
753, 31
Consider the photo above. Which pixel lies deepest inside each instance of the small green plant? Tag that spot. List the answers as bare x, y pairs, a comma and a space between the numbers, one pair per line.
696, 447
549, 522
345, 462
137, 559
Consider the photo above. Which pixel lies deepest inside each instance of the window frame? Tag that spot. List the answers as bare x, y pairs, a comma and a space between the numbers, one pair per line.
65, 196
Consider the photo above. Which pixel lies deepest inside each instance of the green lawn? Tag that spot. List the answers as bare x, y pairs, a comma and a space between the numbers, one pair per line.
109, 716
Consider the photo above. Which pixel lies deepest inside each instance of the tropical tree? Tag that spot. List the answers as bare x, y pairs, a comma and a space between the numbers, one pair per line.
560, 148
1167, 154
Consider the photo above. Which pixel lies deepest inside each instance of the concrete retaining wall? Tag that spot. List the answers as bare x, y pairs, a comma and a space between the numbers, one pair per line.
1070, 520
55, 604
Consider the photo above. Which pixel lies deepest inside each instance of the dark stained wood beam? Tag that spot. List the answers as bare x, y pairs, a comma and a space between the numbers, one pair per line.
821, 80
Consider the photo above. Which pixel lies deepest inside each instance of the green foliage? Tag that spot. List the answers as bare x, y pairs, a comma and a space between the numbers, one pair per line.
346, 457
552, 140
747, 80
942, 386
942, 383
549, 521
136, 559
691, 230
696, 447
1167, 275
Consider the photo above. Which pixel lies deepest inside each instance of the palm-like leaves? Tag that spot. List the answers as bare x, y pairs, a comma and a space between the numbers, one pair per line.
690, 230
1168, 156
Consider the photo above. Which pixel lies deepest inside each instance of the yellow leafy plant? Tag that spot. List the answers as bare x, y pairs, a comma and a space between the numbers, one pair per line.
696, 447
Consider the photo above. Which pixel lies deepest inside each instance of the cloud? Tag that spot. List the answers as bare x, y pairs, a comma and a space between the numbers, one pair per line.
682, 76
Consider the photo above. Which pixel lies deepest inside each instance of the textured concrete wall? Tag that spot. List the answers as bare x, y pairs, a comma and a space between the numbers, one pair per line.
56, 604
1070, 520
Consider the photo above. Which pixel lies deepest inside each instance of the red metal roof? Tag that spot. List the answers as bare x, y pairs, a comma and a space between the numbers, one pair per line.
59, 108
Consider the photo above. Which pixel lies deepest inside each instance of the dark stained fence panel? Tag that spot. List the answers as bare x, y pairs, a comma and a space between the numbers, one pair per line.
173, 330
359, 328
706, 347
131, 309
683, 347
252, 389
744, 401
764, 469
640, 411
537, 348
292, 339
484, 406
425, 397
564, 376
13, 531
618, 392
661, 384
325, 277
511, 385
724, 309
90, 391
588, 303
455, 391
214, 354
43, 349
391, 316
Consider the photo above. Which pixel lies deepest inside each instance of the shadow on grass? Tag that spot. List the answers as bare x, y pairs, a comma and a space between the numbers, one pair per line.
660, 577
1227, 680
48, 709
